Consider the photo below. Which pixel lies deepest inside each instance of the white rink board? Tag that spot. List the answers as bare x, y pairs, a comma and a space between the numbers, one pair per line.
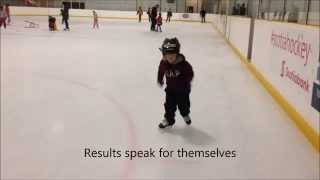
238, 33
220, 22
101, 13
283, 67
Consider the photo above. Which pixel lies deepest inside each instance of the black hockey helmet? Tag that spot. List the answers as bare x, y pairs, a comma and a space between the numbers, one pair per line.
170, 46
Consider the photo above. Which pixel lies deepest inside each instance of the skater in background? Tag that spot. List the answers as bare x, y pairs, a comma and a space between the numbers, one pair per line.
159, 23
203, 15
169, 15
236, 9
243, 9
7, 10
178, 74
30, 3
52, 23
149, 14
61, 13
3, 17
140, 13
65, 16
154, 13
95, 20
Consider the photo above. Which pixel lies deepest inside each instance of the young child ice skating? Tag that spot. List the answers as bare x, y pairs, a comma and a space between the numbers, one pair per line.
52, 23
159, 23
178, 74
95, 20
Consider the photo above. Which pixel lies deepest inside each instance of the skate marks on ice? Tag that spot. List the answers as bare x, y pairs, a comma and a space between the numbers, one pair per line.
191, 135
127, 169
106, 95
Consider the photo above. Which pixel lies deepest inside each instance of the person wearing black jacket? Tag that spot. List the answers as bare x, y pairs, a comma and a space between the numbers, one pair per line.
149, 14
61, 13
203, 15
154, 14
169, 15
243, 9
140, 13
178, 75
65, 16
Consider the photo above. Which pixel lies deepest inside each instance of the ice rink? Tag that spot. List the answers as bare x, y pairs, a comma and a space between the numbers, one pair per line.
62, 92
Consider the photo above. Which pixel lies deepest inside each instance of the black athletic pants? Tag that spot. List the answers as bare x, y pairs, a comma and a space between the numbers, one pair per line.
203, 19
153, 24
176, 99
66, 23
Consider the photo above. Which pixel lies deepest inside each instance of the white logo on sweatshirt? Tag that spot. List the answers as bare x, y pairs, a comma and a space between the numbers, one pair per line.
172, 73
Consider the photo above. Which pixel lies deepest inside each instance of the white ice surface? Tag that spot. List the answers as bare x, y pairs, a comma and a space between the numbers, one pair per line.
65, 91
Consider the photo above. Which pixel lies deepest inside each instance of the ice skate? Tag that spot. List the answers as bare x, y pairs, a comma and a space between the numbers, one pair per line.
187, 119
164, 123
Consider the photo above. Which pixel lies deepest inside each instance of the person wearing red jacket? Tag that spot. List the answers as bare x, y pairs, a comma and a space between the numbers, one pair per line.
52, 23
159, 23
178, 75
